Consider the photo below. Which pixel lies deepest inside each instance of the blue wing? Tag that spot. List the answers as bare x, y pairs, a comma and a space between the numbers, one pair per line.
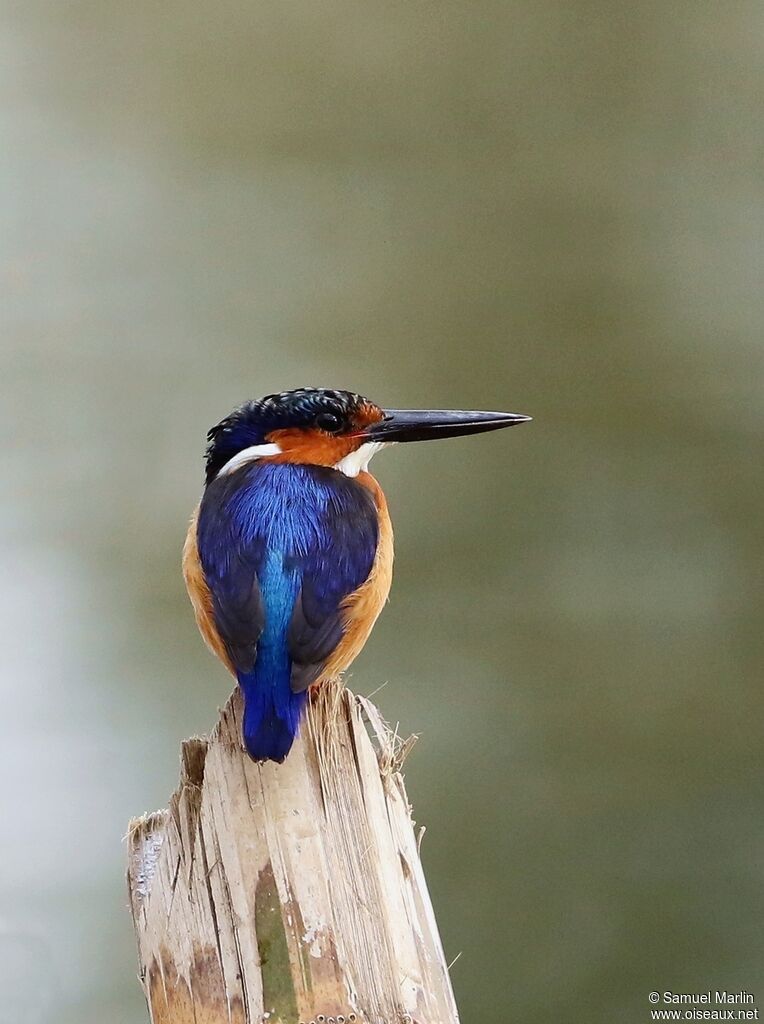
281, 547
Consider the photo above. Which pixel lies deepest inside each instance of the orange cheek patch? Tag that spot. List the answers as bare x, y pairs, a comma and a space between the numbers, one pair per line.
312, 447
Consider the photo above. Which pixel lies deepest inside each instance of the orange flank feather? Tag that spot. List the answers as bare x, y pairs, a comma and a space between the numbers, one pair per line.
199, 592
362, 607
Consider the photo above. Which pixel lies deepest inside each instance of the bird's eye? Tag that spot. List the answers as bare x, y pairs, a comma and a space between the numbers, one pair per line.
329, 422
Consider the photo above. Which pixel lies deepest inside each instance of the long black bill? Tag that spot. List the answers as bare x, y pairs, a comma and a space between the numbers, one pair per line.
429, 424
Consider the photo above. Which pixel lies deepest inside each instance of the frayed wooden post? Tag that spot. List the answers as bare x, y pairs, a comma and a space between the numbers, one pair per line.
288, 893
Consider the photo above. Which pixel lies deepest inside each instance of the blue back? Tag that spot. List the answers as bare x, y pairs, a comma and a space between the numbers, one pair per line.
281, 547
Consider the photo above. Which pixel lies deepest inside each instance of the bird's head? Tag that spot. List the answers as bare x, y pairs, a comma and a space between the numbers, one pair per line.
321, 427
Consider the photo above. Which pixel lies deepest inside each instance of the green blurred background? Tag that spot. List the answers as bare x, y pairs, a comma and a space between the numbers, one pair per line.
554, 208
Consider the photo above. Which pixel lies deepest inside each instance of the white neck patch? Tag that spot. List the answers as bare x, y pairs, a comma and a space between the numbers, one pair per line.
251, 454
358, 461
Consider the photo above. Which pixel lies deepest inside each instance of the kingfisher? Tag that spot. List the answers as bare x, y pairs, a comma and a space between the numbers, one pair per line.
288, 559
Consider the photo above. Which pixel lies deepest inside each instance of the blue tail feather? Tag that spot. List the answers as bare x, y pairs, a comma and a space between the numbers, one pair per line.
271, 710
271, 715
